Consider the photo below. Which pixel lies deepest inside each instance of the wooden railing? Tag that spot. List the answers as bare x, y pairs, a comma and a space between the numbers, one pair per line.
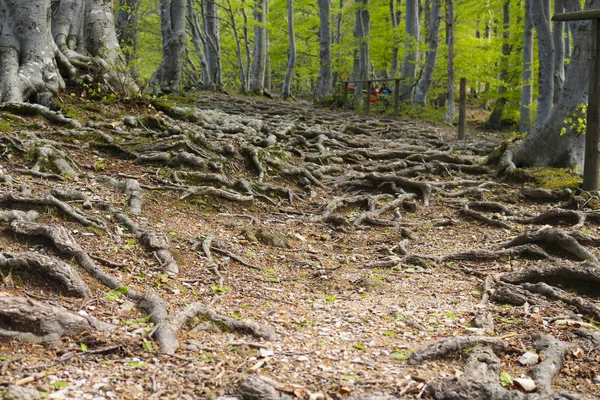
369, 87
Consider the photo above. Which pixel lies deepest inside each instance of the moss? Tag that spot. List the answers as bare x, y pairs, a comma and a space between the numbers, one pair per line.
72, 112
555, 178
152, 122
6, 126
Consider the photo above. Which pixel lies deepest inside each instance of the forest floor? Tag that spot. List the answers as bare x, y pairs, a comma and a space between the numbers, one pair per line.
352, 241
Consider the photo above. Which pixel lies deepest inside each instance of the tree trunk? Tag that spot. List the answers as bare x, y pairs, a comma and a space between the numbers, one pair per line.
127, 30
541, 22
435, 13
286, 92
558, 37
554, 142
449, 117
495, 119
527, 75
325, 75
167, 77
198, 40
41, 46
260, 47
395, 16
213, 43
246, 88
238, 46
411, 57
363, 28
338, 37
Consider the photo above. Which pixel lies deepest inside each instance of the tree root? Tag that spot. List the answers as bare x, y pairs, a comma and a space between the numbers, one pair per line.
481, 217
452, 346
49, 200
259, 388
556, 237
159, 244
480, 378
31, 321
556, 216
166, 326
526, 250
584, 307
39, 110
53, 268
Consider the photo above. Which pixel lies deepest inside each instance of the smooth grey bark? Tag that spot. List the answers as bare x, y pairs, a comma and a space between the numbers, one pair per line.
435, 15
527, 74
286, 91
238, 45
395, 15
246, 87
212, 44
558, 37
411, 48
363, 30
260, 47
451, 111
541, 23
167, 77
42, 43
545, 145
325, 87
337, 39
197, 39
495, 119
128, 19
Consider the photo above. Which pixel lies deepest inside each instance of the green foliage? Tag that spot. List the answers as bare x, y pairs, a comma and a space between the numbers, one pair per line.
506, 379
576, 121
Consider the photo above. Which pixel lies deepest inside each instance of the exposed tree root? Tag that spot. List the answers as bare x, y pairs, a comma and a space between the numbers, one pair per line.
481, 376
31, 109
556, 216
31, 321
555, 237
255, 388
167, 326
453, 346
52, 268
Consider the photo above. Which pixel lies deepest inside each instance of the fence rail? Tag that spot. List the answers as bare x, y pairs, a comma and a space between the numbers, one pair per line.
369, 83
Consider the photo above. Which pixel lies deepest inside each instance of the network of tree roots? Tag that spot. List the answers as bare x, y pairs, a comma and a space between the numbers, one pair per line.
216, 246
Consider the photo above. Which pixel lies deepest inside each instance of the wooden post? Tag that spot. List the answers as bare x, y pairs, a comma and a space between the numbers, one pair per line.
462, 110
396, 96
345, 95
368, 101
591, 164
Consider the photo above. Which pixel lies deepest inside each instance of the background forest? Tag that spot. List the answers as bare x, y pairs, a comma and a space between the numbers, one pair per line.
488, 44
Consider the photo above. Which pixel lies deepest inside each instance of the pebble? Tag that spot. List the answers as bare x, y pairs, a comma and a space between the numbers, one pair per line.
527, 384
529, 358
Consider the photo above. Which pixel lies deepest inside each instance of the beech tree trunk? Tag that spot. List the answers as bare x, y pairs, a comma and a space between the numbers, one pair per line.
553, 142
558, 37
495, 119
450, 113
260, 47
527, 75
286, 91
167, 77
238, 45
363, 29
198, 40
435, 15
411, 55
212, 43
42, 45
325, 75
127, 29
541, 22
395, 16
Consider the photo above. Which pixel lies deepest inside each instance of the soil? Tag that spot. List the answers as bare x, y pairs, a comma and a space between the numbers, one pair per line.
349, 299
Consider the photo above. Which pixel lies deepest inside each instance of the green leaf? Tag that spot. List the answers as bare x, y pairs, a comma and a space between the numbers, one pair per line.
359, 346
388, 334
145, 319
330, 299
83, 347
506, 379
59, 384
399, 355
147, 346
135, 364
112, 295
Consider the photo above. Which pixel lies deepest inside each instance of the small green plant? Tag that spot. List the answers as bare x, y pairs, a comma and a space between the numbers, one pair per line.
147, 346
330, 299
59, 384
399, 355
83, 347
359, 346
506, 379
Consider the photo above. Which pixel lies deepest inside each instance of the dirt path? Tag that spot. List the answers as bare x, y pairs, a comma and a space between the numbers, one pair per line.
314, 251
